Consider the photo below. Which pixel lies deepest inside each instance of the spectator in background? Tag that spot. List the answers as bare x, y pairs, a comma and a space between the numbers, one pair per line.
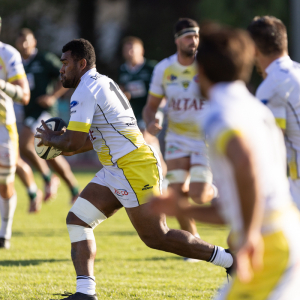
42, 70
134, 79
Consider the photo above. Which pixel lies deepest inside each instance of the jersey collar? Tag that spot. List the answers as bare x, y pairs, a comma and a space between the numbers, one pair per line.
89, 72
274, 64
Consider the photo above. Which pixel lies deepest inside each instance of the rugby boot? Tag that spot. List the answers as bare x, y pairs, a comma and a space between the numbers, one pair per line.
36, 203
78, 296
4, 243
51, 188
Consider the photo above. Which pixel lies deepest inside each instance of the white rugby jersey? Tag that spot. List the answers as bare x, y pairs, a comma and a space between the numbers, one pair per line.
179, 84
99, 107
280, 91
11, 69
234, 111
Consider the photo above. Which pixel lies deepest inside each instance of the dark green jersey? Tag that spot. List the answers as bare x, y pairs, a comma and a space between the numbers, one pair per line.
136, 82
42, 73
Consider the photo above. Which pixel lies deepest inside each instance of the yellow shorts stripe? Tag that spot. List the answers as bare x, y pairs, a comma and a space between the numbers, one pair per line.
14, 137
275, 260
79, 126
141, 171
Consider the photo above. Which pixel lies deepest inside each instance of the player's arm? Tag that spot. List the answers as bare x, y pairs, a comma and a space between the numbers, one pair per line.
250, 251
149, 111
66, 141
18, 90
88, 145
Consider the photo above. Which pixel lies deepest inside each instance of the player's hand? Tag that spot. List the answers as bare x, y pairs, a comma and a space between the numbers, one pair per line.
249, 256
46, 101
166, 204
46, 134
2, 84
153, 127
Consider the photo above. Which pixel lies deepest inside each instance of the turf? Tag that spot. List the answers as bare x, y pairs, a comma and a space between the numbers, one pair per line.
38, 264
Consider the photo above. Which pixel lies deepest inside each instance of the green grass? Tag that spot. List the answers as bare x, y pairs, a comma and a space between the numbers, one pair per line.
38, 264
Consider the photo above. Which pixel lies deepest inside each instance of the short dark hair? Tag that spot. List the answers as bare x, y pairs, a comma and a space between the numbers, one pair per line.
225, 54
183, 23
269, 35
24, 32
132, 40
81, 49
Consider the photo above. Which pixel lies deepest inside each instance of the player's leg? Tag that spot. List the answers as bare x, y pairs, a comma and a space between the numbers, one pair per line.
95, 204
27, 150
26, 175
178, 172
62, 167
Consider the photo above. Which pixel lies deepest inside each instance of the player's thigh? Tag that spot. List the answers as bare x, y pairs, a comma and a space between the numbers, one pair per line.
182, 163
150, 227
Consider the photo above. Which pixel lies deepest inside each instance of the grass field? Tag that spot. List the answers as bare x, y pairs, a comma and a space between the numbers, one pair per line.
38, 264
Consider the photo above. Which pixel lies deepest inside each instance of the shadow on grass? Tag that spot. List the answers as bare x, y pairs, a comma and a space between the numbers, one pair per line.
64, 232
156, 258
30, 262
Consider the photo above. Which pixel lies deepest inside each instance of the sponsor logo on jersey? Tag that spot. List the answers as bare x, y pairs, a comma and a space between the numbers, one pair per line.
264, 101
186, 71
73, 104
185, 84
196, 78
121, 192
147, 187
171, 77
72, 112
96, 76
186, 104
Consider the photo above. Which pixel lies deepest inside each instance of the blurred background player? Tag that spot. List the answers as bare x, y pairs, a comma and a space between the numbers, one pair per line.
176, 79
280, 89
42, 70
248, 162
134, 79
13, 87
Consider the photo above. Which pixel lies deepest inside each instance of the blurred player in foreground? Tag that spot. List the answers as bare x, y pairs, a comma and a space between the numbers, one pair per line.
176, 79
13, 87
134, 79
280, 89
102, 119
42, 71
248, 160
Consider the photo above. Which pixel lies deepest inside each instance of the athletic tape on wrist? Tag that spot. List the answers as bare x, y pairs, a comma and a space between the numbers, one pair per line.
177, 176
13, 91
201, 174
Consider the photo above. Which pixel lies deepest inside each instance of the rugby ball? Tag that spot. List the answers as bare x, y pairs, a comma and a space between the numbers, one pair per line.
46, 152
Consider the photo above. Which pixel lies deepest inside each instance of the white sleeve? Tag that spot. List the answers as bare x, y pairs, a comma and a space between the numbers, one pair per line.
156, 86
14, 66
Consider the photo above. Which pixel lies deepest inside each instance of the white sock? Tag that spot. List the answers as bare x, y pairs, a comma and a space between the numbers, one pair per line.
32, 189
221, 258
86, 285
7, 210
215, 189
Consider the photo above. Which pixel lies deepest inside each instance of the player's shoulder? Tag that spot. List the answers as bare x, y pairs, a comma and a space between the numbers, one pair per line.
8, 51
165, 63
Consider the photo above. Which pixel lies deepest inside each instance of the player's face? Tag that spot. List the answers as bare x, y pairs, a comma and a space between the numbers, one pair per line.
131, 51
26, 45
70, 71
188, 44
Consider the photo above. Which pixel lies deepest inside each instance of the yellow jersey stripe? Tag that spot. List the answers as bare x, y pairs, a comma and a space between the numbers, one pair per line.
281, 123
3, 65
79, 126
224, 138
16, 77
156, 95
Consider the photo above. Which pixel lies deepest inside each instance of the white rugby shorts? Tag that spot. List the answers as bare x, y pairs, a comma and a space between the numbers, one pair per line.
178, 146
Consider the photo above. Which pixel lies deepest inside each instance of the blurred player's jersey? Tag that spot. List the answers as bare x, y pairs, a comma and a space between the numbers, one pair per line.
42, 70
179, 84
99, 107
280, 91
235, 112
11, 69
136, 81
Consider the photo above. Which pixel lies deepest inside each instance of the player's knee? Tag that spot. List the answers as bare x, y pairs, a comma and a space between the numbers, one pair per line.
82, 218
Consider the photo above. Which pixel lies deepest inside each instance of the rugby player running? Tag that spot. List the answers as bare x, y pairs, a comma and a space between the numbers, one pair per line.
248, 160
102, 119
280, 89
186, 155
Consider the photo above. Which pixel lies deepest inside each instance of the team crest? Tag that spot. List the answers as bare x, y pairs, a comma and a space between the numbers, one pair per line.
185, 84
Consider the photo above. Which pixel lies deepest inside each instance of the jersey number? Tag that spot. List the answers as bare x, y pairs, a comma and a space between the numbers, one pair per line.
115, 88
